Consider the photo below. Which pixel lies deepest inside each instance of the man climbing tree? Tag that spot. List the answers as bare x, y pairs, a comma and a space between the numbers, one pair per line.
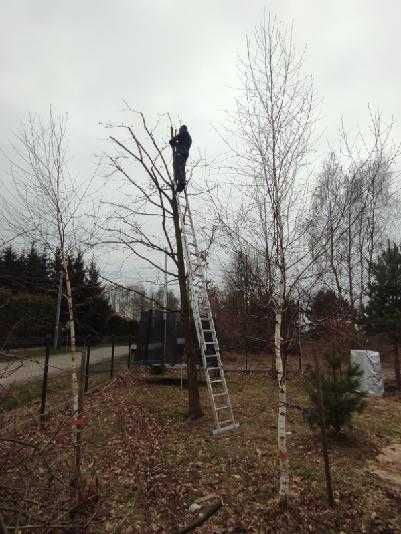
181, 143
156, 198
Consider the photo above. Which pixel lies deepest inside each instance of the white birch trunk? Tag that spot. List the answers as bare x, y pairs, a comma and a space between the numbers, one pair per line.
70, 308
282, 411
75, 423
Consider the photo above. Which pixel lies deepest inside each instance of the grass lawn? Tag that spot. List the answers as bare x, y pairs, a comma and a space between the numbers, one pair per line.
27, 395
144, 465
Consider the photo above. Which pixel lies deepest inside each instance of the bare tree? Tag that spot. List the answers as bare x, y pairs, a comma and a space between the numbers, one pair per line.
42, 203
128, 301
352, 205
45, 206
146, 222
272, 127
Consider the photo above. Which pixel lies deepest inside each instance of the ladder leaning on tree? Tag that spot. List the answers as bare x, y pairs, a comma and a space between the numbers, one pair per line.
204, 323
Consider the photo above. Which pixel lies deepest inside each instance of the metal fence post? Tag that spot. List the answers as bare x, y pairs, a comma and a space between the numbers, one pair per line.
112, 357
44, 382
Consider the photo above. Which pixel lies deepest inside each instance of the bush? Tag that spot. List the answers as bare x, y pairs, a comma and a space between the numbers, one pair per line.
340, 396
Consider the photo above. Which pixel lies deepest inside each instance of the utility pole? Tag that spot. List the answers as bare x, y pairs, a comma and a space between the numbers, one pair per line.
56, 328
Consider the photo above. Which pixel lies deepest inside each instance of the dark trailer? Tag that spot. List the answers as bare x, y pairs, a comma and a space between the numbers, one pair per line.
159, 340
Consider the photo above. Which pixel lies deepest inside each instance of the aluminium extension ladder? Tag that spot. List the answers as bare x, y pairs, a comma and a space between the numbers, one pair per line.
204, 323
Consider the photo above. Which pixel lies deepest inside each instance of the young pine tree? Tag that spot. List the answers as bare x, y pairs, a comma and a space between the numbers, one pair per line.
339, 393
383, 313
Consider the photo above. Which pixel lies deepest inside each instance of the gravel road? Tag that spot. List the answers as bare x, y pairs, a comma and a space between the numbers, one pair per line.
17, 371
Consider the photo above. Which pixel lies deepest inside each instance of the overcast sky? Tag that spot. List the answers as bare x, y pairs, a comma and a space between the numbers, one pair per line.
86, 57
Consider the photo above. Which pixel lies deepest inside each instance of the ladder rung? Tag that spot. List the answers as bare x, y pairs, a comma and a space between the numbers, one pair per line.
213, 368
225, 422
220, 394
211, 355
216, 381
223, 407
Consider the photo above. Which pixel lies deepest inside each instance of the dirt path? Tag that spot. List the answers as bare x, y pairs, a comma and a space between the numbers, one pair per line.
17, 371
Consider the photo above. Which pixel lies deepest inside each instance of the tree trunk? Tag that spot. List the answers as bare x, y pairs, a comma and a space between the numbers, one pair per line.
332, 263
194, 407
299, 340
70, 307
58, 309
397, 367
74, 385
323, 434
282, 411
349, 262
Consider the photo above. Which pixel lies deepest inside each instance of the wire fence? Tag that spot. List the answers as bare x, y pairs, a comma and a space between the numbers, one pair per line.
42, 454
36, 381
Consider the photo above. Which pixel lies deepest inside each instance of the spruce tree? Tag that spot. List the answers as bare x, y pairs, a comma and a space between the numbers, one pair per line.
11, 269
95, 311
36, 271
383, 313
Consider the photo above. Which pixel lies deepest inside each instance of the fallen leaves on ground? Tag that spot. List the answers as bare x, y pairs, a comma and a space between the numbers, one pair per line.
148, 467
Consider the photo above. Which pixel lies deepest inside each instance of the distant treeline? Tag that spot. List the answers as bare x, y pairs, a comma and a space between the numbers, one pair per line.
29, 281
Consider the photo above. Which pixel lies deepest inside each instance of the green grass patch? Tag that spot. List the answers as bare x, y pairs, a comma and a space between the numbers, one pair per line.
30, 393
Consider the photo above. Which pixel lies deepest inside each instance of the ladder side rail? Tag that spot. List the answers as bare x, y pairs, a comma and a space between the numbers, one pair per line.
191, 285
200, 304
194, 304
196, 311
202, 266
218, 357
191, 222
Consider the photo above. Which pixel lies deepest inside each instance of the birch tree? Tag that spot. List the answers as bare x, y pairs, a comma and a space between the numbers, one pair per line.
272, 126
44, 205
352, 204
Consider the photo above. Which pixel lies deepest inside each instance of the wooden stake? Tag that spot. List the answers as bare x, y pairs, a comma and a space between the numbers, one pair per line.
44, 383
129, 351
88, 355
112, 357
